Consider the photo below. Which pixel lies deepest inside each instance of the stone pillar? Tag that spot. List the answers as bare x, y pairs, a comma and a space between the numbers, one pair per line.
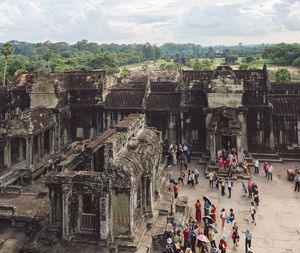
39, 148
144, 193
243, 120
52, 206
7, 153
272, 143
30, 150
43, 144
131, 212
182, 128
149, 194
104, 217
21, 151
80, 210
212, 138
65, 212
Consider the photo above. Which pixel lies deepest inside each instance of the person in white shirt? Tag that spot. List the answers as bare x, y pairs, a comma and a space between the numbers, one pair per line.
256, 166
270, 170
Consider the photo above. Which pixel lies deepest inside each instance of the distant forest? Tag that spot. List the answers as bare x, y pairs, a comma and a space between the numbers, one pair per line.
62, 56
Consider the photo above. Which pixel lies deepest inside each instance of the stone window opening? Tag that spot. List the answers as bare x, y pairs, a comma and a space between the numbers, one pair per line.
89, 203
98, 160
18, 150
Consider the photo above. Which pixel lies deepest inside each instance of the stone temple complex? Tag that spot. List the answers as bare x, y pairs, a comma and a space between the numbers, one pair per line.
97, 141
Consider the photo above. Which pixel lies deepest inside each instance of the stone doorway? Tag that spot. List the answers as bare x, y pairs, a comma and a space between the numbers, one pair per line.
228, 141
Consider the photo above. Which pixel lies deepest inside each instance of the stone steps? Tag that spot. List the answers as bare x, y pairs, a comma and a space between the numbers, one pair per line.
269, 157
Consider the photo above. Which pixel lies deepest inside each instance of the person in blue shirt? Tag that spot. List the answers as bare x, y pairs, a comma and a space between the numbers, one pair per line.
297, 182
248, 235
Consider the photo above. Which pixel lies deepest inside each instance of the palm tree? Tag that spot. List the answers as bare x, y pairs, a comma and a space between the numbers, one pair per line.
6, 51
49, 55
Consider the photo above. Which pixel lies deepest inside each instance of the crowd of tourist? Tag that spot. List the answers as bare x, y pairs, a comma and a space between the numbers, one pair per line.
199, 234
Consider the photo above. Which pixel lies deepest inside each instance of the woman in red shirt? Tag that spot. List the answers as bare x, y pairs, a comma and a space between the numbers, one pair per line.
223, 244
213, 213
198, 211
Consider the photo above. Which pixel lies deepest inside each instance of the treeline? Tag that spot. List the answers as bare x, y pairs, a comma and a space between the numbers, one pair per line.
197, 51
283, 54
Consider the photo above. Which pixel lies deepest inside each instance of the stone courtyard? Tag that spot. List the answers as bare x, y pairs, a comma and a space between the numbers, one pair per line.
277, 217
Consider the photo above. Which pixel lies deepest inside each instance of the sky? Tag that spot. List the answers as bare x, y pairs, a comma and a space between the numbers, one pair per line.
205, 22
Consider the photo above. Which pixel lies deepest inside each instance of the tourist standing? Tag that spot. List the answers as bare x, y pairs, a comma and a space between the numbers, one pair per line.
181, 176
216, 179
189, 178
211, 237
231, 216
211, 179
176, 190
252, 211
186, 238
196, 173
266, 168
256, 164
256, 198
198, 211
171, 176
193, 179
248, 238
223, 244
223, 187
235, 235
213, 213
244, 189
297, 182
206, 208
270, 172
250, 189
229, 185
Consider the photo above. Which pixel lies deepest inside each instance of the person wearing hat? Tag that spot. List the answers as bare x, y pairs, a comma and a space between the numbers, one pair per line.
223, 244
169, 246
250, 250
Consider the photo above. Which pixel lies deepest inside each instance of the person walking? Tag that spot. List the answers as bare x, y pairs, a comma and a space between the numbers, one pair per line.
223, 217
196, 173
256, 164
176, 190
270, 172
252, 211
256, 198
198, 211
297, 182
229, 185
248, 238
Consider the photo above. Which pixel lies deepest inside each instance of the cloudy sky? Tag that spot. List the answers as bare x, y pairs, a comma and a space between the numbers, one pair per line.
206, 22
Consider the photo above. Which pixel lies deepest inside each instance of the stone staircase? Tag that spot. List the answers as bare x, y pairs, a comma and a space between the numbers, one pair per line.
290, 155
272, 157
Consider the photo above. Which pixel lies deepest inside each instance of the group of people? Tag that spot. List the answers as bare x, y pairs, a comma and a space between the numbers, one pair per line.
216, 181
227, 159
180, 154
199, 234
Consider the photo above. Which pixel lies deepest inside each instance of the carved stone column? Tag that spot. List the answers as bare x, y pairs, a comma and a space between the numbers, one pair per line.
65, 212
212, 138
144, 194
272, 143
39, 148
7, 153
149, 194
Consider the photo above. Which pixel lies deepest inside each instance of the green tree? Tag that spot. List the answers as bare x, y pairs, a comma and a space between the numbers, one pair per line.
6, 51
145, 67
244, 66
125, 72
296, 62
104, 60
283, 75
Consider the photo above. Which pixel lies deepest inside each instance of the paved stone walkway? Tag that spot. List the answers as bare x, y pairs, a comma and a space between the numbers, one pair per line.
277, 217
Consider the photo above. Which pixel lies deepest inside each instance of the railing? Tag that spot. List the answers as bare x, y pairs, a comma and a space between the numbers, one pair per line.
88, 222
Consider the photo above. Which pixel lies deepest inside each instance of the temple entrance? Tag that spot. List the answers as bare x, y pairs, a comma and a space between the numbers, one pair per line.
228, 141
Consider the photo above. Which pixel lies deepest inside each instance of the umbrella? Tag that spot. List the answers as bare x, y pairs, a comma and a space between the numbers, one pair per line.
213, 228
207, 198
209, 219
176, 224
202, 238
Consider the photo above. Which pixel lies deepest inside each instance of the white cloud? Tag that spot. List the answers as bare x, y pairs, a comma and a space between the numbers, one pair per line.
157, 21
